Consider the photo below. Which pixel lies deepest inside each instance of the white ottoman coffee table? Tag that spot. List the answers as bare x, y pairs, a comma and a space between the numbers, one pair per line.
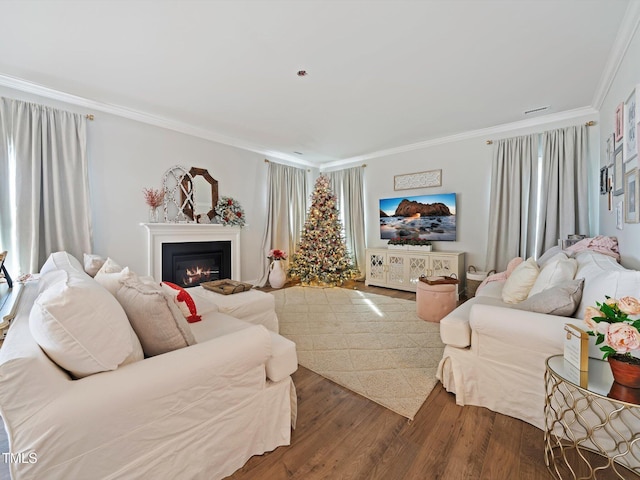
253, 306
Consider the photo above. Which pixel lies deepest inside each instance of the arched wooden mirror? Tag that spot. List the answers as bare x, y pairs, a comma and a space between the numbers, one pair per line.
204, 190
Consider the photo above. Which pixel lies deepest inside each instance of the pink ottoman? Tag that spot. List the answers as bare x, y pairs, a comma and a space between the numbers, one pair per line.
434, 302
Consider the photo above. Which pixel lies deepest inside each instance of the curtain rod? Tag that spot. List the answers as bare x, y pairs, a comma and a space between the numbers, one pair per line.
89, 116
588, 124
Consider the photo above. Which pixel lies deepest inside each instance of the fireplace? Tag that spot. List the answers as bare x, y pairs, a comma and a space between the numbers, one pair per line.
161, 234
188, 264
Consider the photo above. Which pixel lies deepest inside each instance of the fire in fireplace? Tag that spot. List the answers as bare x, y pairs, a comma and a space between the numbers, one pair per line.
188, 264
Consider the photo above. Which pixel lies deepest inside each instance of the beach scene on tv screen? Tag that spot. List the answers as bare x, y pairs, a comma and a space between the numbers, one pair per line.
429, 217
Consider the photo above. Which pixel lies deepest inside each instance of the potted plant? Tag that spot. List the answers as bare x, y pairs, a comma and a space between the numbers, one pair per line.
277, 275
154, 198
409, 243
419, 244
616, 325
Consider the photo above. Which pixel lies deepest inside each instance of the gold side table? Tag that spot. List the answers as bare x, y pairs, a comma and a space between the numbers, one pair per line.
592, 424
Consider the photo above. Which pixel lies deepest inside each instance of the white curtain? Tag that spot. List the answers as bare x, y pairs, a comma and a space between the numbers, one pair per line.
564, 203
44, 188
348, 185
512, 214
287, 193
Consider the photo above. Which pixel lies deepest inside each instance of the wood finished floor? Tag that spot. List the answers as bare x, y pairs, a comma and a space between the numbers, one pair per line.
342, 435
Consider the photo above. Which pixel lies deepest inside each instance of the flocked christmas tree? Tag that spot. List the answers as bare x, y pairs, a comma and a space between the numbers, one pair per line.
322, 256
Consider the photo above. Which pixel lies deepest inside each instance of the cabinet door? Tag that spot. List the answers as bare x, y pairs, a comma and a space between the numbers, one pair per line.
396, 270
376, 268
443, 265
417, 265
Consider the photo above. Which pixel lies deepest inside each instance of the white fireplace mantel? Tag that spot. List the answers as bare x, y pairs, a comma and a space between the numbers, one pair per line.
159, 233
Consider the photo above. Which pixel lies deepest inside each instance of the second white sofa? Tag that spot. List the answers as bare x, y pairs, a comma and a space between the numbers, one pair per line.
495, 354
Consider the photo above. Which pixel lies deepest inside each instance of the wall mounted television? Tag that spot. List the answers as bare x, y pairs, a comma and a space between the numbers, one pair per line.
430, 217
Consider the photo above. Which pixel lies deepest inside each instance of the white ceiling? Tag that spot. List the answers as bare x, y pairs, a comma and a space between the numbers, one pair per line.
381, 74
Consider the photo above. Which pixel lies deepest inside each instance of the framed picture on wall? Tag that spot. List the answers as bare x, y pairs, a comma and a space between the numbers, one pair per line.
430, 178
620, 215
630, 121
632, 192
619, 122
604, 181
618, 172
611, 146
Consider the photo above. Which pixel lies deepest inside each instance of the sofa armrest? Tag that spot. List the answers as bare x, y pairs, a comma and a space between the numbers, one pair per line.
499, 330
147, 402
519, 327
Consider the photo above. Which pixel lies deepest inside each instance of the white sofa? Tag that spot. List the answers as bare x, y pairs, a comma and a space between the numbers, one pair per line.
495, 354
196, 412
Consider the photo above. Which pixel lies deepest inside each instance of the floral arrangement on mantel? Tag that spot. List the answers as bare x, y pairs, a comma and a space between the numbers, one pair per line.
616, 325
277, 255
153, 197
229, 212
418, 242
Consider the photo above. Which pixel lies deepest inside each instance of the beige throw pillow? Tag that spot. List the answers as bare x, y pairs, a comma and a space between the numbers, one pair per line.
562, 300
520, 282
157, 321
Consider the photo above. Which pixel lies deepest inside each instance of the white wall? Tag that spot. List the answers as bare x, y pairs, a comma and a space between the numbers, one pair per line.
626, 79
125, 156
466, 171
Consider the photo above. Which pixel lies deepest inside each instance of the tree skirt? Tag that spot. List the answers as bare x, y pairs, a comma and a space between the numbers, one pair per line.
371, 344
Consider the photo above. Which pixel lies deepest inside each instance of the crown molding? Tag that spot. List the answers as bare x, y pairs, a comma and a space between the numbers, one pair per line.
497, 130
139, 116
625, 35
33, 88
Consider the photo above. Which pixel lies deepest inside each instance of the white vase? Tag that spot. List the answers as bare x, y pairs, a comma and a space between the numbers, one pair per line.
277, 275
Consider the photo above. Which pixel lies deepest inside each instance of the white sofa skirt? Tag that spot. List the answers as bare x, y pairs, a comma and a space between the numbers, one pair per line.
198, 412
502, 388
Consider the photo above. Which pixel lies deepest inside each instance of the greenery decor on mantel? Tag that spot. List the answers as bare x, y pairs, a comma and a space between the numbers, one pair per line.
229, 212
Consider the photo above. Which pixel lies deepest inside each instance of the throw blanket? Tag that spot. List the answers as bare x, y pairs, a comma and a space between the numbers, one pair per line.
496, 277
600, 244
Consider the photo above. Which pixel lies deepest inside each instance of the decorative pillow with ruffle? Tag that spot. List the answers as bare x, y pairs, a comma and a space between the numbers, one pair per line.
183, 300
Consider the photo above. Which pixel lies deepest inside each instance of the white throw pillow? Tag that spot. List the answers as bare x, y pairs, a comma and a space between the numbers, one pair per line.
112, 281
93, 263
520, 282
558, 269
82, 327
62, 261
109, 266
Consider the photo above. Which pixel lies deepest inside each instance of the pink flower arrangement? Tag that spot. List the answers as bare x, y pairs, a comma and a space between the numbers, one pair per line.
616, 325
277, 255
153, 197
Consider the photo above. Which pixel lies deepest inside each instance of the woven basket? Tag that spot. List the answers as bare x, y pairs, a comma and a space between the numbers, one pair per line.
474, 279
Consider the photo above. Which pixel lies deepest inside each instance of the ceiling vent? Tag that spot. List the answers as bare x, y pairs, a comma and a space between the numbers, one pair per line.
536, 110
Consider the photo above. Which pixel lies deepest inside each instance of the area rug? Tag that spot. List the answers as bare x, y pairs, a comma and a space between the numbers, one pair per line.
371, 344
